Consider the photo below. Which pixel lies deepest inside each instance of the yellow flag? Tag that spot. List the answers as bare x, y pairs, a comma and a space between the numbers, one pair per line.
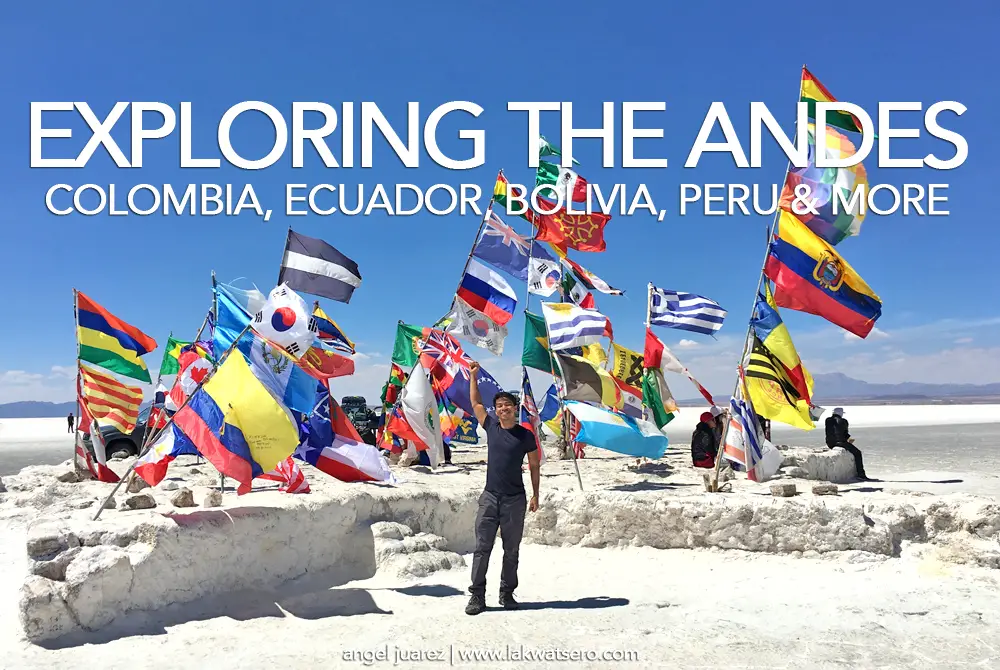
627, 367
773, 394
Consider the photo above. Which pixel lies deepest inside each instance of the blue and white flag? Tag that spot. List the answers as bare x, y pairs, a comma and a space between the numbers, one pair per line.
544, 272
313, 266
458, 392
685, 311
502, 247
571, 326
617, 432
745, 443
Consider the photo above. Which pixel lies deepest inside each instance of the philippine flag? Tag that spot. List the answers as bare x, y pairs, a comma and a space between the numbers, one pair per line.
486, 291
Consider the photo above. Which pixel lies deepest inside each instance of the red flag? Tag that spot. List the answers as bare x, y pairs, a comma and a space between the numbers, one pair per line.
290, 475
583, 232
322, 363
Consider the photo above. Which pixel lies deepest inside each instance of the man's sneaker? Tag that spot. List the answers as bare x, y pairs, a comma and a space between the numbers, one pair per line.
476, 605
507, 601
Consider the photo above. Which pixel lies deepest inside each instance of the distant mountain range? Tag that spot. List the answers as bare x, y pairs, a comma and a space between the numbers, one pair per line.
829, 388
36, 410
837, 387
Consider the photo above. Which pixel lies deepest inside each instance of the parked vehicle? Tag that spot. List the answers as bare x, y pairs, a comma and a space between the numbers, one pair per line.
116, 441
364, 419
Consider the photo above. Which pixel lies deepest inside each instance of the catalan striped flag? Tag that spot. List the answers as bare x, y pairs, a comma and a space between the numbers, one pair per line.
109, 342
812, 91
108, 400
809, 276
686, 311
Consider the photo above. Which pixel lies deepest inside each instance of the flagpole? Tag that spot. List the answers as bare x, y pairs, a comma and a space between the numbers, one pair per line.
288, 238
170, 420
475, 240
562, 401
79, 400
760, 281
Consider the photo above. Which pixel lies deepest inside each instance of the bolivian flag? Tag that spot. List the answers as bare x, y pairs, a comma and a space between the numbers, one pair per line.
812, 91
108, 341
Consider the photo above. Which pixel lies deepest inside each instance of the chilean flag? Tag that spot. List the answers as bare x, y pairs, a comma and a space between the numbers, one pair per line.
488, 292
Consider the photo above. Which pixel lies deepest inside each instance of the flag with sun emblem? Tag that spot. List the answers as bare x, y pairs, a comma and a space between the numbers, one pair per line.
471, 325
285, 320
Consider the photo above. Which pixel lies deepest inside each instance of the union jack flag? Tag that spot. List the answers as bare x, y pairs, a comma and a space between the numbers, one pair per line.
443, 356
497, 228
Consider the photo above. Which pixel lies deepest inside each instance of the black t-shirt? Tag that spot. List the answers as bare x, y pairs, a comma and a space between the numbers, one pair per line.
505, 455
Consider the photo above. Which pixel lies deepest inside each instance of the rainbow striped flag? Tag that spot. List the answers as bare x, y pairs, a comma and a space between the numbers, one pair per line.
109, 342
812, 91
108, 400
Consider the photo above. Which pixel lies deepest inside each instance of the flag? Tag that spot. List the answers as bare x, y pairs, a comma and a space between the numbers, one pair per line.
771, 392
109, 342
535, 352
572, 326
657, 397
473, 326
107, 399
234, 308
168, 445
627, 367
589, 279
171, 351
321, 362
657, 356
328, 331
809, 276
550, 413
583, 232
502, 247
290, 383
503, 193
290, 475
686, 311
771, 331
285, 321
586, 382
616, 432
334, 446
488, 292
832, 221
443, 357
575, 292
745, 443
545, 148
631, 400
237, 425
544, 272
405, 351
157, 411
193, 371
419, 409
313, 266
812, 91
564, 183
98, 464
528, 414
458, 392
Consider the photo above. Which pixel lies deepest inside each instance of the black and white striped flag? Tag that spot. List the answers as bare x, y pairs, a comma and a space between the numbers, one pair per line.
313, 266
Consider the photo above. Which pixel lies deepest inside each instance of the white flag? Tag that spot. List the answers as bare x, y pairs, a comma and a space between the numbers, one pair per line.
285, 320
421, 411
544, 276
471, 325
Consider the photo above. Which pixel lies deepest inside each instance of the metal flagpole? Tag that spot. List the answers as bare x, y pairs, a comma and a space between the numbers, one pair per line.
79, 400
760, 280
288, 238
170, 421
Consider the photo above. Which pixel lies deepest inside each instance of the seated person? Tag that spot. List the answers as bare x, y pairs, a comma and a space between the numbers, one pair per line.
703, 444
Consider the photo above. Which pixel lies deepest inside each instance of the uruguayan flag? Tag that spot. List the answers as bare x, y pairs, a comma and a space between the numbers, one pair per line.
686, 311
571, 326
745, 443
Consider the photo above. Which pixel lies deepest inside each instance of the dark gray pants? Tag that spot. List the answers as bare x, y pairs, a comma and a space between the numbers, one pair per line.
505, 512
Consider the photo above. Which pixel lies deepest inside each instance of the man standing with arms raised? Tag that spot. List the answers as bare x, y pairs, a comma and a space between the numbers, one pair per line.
502, 503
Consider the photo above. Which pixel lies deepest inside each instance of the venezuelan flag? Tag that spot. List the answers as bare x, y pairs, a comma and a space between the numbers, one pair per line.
774, 336
108, 341
237, 425
812, 91
328, 329
809, 276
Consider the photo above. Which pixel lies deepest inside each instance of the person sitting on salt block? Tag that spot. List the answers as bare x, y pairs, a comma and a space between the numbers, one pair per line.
703, 446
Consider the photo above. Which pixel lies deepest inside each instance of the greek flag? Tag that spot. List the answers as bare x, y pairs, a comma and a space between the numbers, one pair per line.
686, 311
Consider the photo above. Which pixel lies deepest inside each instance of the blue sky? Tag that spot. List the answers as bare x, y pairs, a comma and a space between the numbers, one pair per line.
936, 276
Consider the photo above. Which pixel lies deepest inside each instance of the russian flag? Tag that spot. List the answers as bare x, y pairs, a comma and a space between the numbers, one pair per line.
488, 292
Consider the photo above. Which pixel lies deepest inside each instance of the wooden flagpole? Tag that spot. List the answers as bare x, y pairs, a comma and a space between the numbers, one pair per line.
170, 421
760, 280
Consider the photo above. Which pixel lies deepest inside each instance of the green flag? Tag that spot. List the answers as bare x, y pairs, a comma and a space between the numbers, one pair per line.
546, 148
404, 352
657, 397
536, 345
171, 352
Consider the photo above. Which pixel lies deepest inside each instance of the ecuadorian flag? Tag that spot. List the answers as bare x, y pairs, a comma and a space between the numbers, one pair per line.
109, 342
809, 276
237, 424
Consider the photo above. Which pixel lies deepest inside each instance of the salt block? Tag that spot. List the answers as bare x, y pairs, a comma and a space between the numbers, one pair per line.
137, 484
69, 477
783, 490
169, 486
139, 501
3, 489
826, 490
212, 499
42, 610
98, 582
182, 498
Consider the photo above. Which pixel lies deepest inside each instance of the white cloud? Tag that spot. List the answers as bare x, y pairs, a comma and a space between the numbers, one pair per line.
876, 334
55, 386
687, 344
963, 340
964, 365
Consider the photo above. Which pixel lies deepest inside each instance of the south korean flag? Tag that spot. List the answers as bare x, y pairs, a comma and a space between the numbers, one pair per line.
285, 321
544, 275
